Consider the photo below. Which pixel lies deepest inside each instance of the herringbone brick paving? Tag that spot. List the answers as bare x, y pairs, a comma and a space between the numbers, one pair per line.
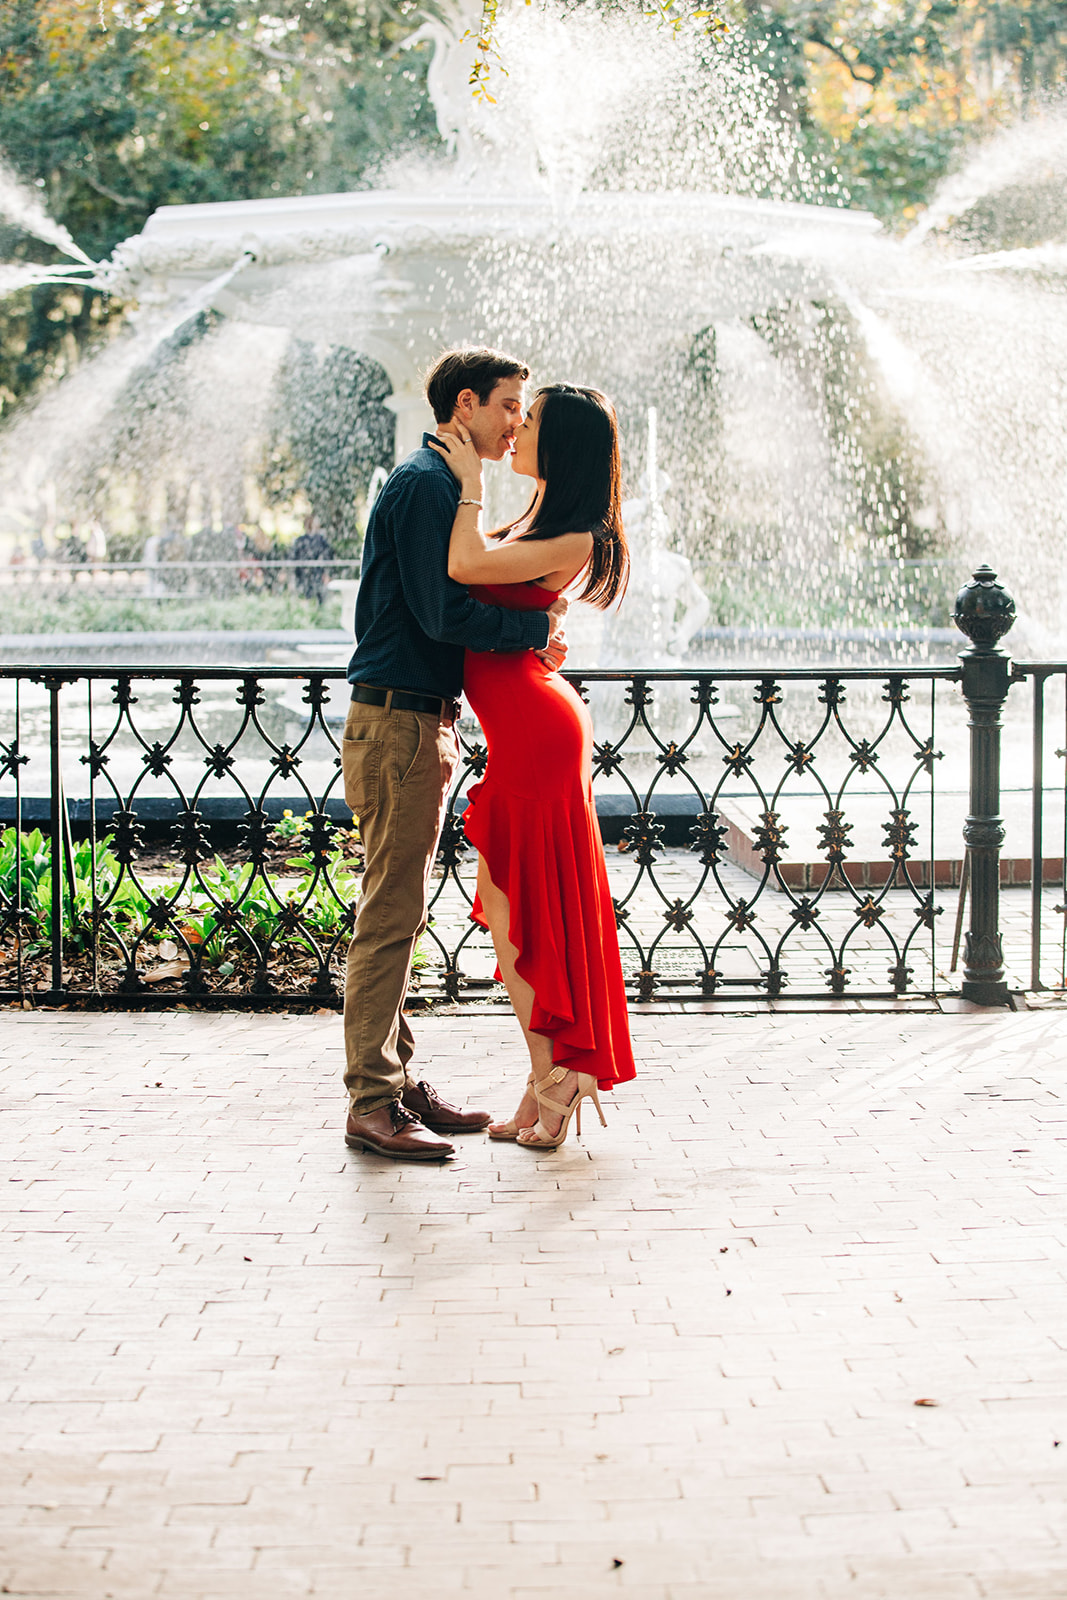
240, 1361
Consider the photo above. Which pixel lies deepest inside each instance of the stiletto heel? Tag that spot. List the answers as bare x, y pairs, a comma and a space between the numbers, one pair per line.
590, 1094
538, 1137
511, 1129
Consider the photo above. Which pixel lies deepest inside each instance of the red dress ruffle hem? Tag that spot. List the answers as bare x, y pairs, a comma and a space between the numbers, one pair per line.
533, 821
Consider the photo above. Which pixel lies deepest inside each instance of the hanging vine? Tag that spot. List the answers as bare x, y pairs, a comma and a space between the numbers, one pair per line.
487, 52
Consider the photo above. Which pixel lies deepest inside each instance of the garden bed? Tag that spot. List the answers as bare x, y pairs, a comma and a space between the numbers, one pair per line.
150, 924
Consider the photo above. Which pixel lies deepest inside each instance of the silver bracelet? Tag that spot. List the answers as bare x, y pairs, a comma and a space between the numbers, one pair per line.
477, 503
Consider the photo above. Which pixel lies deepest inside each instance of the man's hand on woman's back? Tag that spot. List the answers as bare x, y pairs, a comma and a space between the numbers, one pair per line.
555, 652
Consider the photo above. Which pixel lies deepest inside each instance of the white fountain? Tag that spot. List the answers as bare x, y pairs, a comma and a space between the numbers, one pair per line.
623, 206
471, 251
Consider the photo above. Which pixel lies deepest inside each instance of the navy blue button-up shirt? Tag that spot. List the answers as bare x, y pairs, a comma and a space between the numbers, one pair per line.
413, 621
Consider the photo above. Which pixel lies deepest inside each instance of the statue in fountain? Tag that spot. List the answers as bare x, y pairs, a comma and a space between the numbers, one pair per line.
467, 126
665, 606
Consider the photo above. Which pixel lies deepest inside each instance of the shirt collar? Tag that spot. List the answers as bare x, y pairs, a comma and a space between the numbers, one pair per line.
449, 474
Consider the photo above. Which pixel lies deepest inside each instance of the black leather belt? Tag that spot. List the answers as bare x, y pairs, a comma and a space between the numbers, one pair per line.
400, 700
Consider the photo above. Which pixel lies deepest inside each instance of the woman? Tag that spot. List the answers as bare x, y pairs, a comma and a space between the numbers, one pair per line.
542, 883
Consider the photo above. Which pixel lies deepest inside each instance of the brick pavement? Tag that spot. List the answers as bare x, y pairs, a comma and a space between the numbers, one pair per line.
240, 1361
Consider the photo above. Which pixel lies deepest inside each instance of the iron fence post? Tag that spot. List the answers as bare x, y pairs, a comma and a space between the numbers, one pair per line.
1037, 853
984, 612
54, 685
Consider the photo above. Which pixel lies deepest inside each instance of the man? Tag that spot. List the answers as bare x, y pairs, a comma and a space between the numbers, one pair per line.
400, 749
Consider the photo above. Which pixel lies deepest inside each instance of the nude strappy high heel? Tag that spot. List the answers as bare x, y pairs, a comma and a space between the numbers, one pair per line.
511, 1129
537, 1137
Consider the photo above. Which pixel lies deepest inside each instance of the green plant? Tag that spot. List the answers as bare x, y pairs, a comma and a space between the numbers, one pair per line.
23, 856
229, 906
217, 916
290, 827
99, 878
81, 610
95, 874
323, 909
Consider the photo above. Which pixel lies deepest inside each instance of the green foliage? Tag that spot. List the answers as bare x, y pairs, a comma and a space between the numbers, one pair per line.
83, 611
28, 857
289, 827
875, 456
112, 109
485, 52
24, 861
1031, 35
893, 169
226, 911
219, 914
1017, 217
886, 96
46, 330
330, 430
860, 594
242, 890
323, 910
93, 868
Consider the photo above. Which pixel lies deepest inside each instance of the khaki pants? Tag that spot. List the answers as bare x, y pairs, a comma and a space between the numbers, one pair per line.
397, 767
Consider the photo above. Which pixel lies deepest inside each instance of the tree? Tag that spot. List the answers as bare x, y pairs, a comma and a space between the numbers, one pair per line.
889, 98
329, 431
112, 108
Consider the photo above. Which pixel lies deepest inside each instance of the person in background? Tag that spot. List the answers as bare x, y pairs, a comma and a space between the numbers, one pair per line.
312, 545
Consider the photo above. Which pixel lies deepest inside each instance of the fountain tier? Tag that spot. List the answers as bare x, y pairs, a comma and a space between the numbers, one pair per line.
400, 275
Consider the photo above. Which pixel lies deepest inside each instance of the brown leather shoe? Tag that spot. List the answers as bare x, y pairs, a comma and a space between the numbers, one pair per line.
396, 1133
426, 1103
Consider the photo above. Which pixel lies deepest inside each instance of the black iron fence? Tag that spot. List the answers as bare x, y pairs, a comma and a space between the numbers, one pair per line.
179, 834
1048, 836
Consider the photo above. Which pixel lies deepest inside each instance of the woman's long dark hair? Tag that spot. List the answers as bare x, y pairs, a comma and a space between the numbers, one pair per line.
578, 461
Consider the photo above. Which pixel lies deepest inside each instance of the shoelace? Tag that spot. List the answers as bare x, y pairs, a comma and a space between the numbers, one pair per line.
400, 1116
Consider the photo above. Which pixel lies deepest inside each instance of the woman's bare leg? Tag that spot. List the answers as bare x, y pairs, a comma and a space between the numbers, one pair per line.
498, 916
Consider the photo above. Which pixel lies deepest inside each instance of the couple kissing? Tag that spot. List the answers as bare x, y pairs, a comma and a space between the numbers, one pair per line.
445, 607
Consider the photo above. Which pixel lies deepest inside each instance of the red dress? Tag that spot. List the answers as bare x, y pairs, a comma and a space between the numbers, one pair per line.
532, 820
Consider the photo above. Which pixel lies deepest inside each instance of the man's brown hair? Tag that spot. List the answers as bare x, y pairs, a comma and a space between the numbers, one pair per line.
478, 369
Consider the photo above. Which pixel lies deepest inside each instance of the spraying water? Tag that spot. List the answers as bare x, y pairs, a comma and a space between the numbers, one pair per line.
19, 205
823, 415
200, 299
655, 575
14, 277
82, 426
1034, 150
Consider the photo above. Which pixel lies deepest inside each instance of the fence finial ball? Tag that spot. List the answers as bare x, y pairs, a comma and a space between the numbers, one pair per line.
984, 609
